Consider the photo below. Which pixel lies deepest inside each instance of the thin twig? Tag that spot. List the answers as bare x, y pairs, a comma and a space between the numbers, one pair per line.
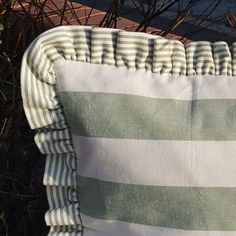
16, 194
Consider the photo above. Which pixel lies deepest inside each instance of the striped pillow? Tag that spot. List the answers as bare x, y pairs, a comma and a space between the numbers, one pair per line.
139, 140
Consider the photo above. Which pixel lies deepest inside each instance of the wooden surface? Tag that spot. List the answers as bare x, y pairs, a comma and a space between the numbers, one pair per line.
85, 13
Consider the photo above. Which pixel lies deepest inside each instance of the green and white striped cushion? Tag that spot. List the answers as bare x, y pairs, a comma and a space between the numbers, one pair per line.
139, 132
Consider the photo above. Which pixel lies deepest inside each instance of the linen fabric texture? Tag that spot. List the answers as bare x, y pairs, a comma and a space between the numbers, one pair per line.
139, 132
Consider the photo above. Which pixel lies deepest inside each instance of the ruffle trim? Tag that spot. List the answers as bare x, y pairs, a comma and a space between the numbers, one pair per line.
112, 47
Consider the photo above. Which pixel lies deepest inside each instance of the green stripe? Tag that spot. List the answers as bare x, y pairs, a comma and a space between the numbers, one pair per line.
190, 208
136, 117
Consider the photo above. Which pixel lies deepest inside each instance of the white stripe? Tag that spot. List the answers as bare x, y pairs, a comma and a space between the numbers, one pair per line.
97, 227
155, 162
79, 76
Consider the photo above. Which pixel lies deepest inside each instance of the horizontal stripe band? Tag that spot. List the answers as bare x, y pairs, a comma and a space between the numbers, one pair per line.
98, 227
173, 207
107, 79
188, 163
136, 117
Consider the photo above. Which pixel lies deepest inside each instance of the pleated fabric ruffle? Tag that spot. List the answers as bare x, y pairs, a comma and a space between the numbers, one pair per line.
42, 105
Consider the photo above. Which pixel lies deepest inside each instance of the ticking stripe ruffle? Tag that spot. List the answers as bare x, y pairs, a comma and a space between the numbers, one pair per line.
112, 47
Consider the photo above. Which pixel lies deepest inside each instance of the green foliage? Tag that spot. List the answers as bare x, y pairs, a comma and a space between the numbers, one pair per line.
1, 24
